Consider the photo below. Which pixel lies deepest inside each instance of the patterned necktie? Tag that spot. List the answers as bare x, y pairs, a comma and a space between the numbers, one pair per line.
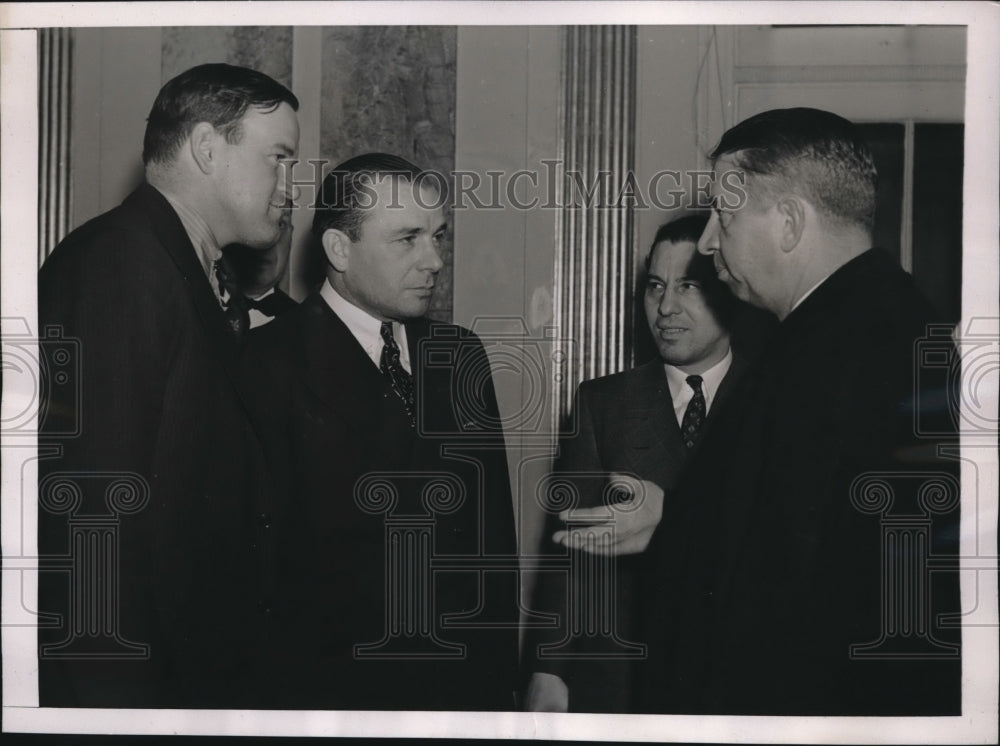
233, 303
401, 381
694, 415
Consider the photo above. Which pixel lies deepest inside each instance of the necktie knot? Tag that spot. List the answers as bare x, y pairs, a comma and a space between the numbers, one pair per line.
387, 336
695, 383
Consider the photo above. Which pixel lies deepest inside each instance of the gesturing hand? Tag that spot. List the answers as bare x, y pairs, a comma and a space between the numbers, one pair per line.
620, 528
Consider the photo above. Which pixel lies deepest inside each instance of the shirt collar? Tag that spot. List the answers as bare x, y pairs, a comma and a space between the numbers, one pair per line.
711, 379
201, 236
808, 293
364, 327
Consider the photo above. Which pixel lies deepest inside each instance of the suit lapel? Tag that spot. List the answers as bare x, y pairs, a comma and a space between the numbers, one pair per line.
166, 226
338, 372
654, 442
654, 437
432, 385
335, 367
736, 370
169, 230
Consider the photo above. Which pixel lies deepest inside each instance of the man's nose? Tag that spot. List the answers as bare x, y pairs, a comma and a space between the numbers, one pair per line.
431, 258
708, 244
668, 303
290, 191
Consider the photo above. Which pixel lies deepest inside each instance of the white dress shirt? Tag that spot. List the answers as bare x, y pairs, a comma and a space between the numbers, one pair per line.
711, 379
365, 327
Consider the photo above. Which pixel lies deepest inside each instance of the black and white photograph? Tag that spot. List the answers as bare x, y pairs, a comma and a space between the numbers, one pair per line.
506, 370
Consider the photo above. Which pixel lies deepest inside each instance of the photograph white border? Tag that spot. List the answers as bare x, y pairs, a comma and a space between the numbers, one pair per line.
18, 154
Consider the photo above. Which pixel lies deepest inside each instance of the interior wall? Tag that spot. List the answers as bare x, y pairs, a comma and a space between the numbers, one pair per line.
507, 122
667, 124
116, 75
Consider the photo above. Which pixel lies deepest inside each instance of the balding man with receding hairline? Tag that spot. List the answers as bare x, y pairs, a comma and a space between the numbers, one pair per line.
160, 323
779, 588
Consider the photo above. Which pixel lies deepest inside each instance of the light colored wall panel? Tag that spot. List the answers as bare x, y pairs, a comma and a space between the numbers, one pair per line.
116, 75
508, 86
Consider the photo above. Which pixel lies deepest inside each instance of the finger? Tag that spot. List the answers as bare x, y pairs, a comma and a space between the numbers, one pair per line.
600, 514
595, 541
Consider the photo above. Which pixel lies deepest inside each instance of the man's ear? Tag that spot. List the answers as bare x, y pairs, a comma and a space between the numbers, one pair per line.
337, 248
792, 211
202, 144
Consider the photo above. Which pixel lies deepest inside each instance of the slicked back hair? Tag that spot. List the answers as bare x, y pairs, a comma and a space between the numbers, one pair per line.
216, 93
718, 297
810, 152
347, 191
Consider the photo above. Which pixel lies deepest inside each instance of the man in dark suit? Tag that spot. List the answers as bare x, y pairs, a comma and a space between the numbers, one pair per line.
790, 573
168, 606
643, 422
385, 430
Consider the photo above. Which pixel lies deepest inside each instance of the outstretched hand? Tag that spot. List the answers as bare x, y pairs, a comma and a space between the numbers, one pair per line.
620, 528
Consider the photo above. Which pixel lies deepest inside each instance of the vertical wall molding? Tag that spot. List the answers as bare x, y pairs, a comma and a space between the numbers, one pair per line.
54, 102
594, 267
307, 84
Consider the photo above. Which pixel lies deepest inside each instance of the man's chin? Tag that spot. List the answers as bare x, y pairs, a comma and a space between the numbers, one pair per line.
736, 288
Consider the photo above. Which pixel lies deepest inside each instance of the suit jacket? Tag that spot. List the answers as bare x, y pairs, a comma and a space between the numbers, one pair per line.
339, 439
153, 403
624, 423
768, 564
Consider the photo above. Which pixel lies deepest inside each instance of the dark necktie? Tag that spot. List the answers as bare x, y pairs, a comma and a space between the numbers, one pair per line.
233, 303
694, 415
401, 381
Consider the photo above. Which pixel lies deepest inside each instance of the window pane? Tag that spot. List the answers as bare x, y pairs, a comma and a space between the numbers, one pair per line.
886, 141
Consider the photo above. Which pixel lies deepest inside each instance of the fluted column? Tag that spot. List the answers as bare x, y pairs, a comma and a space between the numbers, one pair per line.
593, 274
54, 60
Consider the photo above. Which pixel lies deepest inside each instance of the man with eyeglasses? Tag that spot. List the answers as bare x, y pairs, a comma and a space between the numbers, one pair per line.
784, 576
